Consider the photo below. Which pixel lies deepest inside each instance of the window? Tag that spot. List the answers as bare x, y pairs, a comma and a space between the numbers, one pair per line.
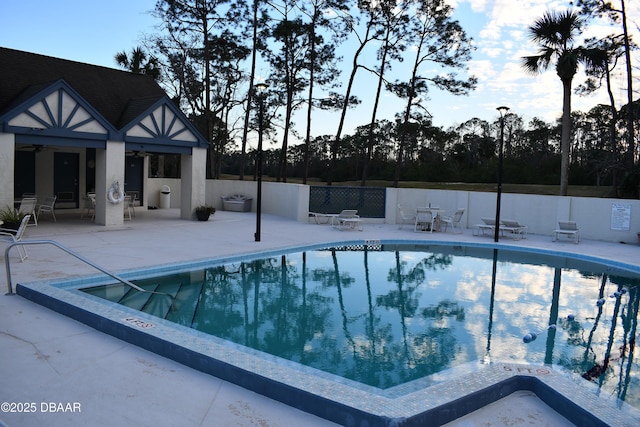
164, 166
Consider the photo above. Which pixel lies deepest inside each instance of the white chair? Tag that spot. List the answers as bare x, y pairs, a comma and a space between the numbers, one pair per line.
488, 224
28, 206
128, 207
404, 218
512, 226
133, 198
89, 206
12, 236
453, 221
48, 206
568, 228
424, 220
348, 218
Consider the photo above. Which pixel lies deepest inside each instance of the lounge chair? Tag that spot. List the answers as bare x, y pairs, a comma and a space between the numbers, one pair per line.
453, 221
348, 218
487, 225
512, 226
568, 228
12, 236
48, 206
322, 218
425, 220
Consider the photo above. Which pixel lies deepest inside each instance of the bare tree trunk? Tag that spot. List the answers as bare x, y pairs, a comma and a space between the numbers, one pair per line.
354, 69
565, 144
630, 111
247, 114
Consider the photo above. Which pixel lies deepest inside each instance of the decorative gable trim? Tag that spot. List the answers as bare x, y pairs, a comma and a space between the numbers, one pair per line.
57, 111
165, 125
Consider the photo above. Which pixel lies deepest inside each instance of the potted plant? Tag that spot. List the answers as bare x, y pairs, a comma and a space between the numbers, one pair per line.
203, 212
10, 218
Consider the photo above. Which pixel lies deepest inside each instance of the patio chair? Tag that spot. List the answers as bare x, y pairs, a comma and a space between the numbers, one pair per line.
89, 206
518, 230
28, 206
568, 228
128, 207
131, 201
487, 225
348, 218
48, 206
453, 221
404, 218
12, 236
424, 220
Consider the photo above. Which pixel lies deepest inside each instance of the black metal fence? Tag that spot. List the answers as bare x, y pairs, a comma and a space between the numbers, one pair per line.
370, 202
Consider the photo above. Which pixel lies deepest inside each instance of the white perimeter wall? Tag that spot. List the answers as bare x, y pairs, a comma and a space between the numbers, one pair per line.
540, 213
281, 199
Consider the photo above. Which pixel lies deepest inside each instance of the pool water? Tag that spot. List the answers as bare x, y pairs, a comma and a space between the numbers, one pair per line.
388, 315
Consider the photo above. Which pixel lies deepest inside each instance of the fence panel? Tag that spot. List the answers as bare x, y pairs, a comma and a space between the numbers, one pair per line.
370, 202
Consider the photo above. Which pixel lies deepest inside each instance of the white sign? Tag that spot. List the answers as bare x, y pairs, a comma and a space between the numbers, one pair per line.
620, 216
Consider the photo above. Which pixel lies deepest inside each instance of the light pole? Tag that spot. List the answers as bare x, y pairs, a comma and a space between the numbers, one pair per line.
503, 111
260, 94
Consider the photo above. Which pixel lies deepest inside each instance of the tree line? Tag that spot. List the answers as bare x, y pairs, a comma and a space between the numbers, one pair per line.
208, 54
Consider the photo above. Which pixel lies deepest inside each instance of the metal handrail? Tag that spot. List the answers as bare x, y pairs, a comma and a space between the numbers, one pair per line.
7, 264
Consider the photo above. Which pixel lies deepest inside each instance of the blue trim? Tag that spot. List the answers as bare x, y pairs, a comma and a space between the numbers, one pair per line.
60, 141
59, 86
143, 144
163, 132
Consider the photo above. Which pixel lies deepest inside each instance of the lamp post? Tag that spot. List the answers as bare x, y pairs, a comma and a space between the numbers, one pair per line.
503, 111
260, 94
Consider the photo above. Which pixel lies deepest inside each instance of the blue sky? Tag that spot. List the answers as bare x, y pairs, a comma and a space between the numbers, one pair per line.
93, 31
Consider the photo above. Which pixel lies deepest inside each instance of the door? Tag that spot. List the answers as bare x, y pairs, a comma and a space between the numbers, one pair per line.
24, 173
133, 176
65, 179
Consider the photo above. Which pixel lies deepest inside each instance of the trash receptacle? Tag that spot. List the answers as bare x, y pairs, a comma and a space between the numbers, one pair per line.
165, 197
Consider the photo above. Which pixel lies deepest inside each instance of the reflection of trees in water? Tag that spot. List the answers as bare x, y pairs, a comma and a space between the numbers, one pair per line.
392, 328
607, 357
629, 322
287, 311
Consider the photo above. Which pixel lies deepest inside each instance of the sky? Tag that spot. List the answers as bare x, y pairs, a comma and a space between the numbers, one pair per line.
94, 31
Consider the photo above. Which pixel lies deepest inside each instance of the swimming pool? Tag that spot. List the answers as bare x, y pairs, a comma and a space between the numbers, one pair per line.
387, 323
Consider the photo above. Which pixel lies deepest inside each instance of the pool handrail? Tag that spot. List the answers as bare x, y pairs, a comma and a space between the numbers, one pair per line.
7, 264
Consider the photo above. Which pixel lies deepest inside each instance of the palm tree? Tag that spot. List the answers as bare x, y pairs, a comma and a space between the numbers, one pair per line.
556, 34
135, 62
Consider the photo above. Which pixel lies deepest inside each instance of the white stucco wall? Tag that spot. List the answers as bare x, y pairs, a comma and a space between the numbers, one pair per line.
282, 199
193, 189
7, 157
109, 168
540, 213
154, 186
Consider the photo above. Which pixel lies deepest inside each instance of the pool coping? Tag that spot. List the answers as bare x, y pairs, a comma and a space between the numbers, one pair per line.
325, 395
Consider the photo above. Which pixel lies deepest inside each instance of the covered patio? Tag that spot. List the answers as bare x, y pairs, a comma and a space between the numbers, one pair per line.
69, 128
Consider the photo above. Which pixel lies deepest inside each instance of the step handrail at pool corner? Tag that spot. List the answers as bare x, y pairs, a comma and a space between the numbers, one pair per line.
7, 265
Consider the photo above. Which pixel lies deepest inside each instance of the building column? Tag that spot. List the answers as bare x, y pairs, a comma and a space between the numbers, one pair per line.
7, 168
193, 182
109, 169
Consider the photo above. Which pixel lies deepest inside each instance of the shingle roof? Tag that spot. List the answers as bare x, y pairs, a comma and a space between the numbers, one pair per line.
117, 95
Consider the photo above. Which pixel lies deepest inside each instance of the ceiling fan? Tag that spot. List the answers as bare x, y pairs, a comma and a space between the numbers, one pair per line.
36, 148
137, 153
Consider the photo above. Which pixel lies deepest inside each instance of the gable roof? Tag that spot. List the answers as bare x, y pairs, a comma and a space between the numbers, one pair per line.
111, 92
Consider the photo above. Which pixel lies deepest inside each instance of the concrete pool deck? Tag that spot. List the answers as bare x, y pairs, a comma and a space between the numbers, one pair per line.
61, 365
